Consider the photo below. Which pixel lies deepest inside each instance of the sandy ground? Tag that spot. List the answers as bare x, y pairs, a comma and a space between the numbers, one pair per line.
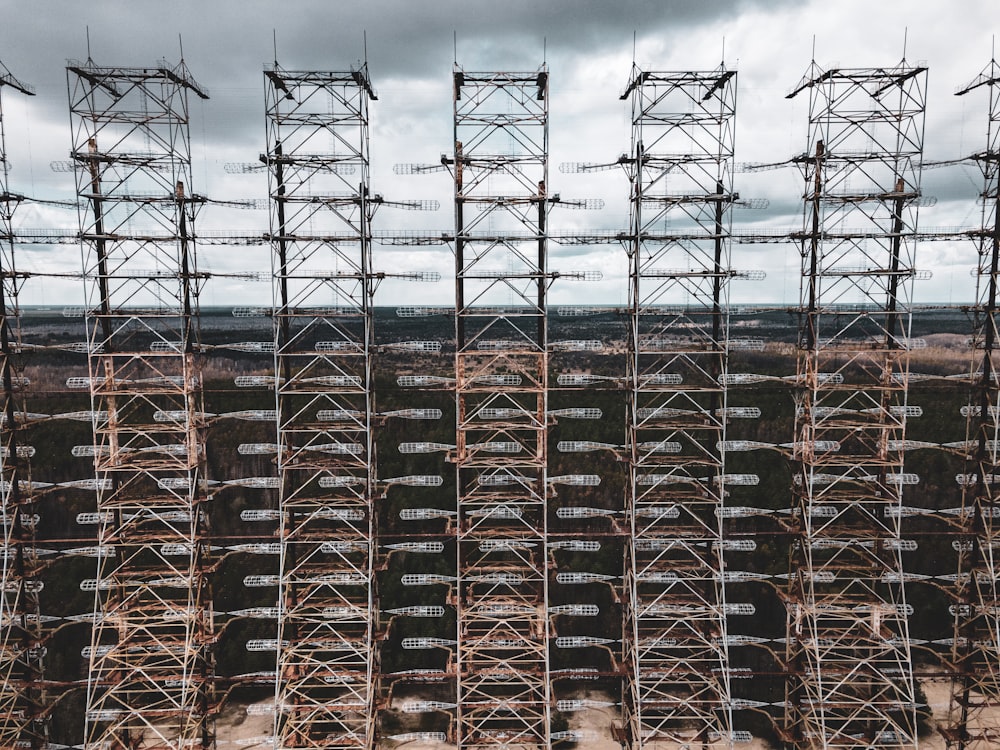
237, 729
938, 693
595, 722
234, 727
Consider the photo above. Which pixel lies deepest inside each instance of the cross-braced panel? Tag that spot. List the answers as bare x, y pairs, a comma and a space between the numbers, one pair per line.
317, 141
975, 657
675, 647
150, 678
850, 680
500, 170
21, 651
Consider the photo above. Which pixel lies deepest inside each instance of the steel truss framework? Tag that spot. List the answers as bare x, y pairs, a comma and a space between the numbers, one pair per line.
21, 710
849, 674
675, 648
150, 678
317, 140
501, 204
975, 657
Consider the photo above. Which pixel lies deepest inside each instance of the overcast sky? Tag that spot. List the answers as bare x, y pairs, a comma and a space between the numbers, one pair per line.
589, 48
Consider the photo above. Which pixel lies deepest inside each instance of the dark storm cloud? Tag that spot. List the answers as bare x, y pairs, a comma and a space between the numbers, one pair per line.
226, 41
588, 44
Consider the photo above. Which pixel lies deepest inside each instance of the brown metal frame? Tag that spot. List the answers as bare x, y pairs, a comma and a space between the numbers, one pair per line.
849, 670
150, 680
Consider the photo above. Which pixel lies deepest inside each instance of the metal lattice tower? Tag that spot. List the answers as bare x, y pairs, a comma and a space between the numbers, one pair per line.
21, 723
975, 657
150, 680
500, 171
849, 674
675, 647
317, 140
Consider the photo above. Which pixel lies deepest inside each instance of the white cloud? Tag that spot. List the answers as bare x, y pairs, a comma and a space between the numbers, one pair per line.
589, 48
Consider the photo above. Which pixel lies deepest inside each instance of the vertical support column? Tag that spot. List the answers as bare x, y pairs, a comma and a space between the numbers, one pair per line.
849, 673
675, 635
975, 657
150, 682
317, 141
21, 723
501, 170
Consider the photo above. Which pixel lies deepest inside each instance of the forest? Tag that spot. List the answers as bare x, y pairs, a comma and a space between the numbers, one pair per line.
57, 423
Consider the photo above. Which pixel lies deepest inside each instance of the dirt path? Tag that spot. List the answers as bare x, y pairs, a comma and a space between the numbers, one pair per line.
238, 729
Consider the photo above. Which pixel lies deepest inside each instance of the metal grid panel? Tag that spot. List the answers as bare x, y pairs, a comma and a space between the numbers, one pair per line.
675, 647
500, 171
317, 140
21, 651
150, 678
850, 680
975, 655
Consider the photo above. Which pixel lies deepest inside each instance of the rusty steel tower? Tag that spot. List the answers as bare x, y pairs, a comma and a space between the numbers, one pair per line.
849, 670
150, 681
21, 650
975, 654
675, 647
321, 211
500, 170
